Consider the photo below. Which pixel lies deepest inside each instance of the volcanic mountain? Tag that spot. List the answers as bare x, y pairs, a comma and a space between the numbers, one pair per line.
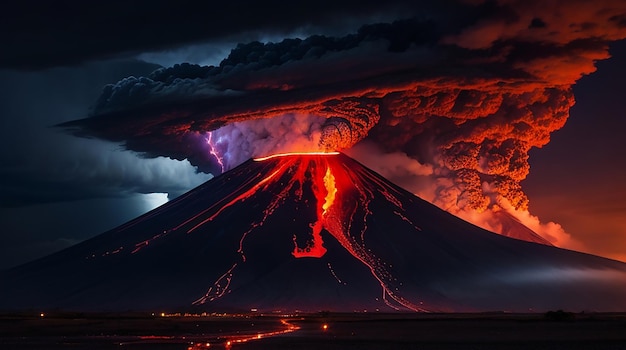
310, 232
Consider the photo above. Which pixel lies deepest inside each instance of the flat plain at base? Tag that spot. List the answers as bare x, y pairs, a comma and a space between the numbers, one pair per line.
345, 331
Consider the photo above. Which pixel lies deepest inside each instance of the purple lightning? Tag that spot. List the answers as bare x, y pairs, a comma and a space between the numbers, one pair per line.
213, 151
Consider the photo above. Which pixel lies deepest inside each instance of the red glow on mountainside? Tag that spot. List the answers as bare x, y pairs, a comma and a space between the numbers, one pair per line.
219, 288
342, 208
241, 197
325, 198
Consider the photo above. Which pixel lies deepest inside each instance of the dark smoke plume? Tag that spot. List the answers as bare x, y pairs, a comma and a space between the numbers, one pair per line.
467, 100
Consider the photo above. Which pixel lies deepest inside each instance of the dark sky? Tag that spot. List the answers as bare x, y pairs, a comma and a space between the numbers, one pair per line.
58, 189
577, 180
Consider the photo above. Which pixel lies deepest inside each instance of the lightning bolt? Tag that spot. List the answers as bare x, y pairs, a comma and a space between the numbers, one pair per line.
213, 151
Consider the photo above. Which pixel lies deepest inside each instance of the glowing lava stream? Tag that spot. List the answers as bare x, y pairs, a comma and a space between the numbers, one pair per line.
315, 249
340, 195
229, 341
296, 154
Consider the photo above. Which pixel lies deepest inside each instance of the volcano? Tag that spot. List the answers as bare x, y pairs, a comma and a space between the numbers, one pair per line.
310, 232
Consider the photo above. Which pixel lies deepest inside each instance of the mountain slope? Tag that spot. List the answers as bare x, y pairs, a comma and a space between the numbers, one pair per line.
310, 233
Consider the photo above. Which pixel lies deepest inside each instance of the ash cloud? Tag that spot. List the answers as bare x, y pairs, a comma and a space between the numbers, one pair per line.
466, 96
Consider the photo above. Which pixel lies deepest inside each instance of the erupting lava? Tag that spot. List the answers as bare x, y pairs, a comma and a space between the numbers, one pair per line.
314, 248
341, 206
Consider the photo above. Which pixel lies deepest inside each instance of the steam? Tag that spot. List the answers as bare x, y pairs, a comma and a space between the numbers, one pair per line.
462, 104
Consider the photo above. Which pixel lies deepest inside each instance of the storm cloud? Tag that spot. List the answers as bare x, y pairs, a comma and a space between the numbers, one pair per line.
41, 164
38, 35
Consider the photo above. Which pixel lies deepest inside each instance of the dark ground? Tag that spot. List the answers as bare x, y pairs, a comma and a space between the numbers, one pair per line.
345, 331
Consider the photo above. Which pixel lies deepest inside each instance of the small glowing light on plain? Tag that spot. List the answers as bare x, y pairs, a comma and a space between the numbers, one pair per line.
42, 314
207, 345
325, 327
162, 314
228, 343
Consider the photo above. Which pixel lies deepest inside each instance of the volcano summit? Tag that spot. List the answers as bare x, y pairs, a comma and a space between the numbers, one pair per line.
310, 232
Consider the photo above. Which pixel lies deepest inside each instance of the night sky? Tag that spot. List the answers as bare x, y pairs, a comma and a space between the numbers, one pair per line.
445, 98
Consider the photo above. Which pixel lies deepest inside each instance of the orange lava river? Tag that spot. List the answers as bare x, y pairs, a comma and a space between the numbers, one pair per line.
342, 201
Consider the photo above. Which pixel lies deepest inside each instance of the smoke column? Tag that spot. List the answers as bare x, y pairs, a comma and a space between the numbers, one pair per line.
462, 96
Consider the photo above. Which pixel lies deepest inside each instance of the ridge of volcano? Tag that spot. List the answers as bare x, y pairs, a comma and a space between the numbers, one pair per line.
310, 232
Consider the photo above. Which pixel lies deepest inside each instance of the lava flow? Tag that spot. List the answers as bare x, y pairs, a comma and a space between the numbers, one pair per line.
341, 201
229, 341
323, 189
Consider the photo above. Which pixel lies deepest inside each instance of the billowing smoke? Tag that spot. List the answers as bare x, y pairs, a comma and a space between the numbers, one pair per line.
240, 141
354, 119
474, 137
463, 103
